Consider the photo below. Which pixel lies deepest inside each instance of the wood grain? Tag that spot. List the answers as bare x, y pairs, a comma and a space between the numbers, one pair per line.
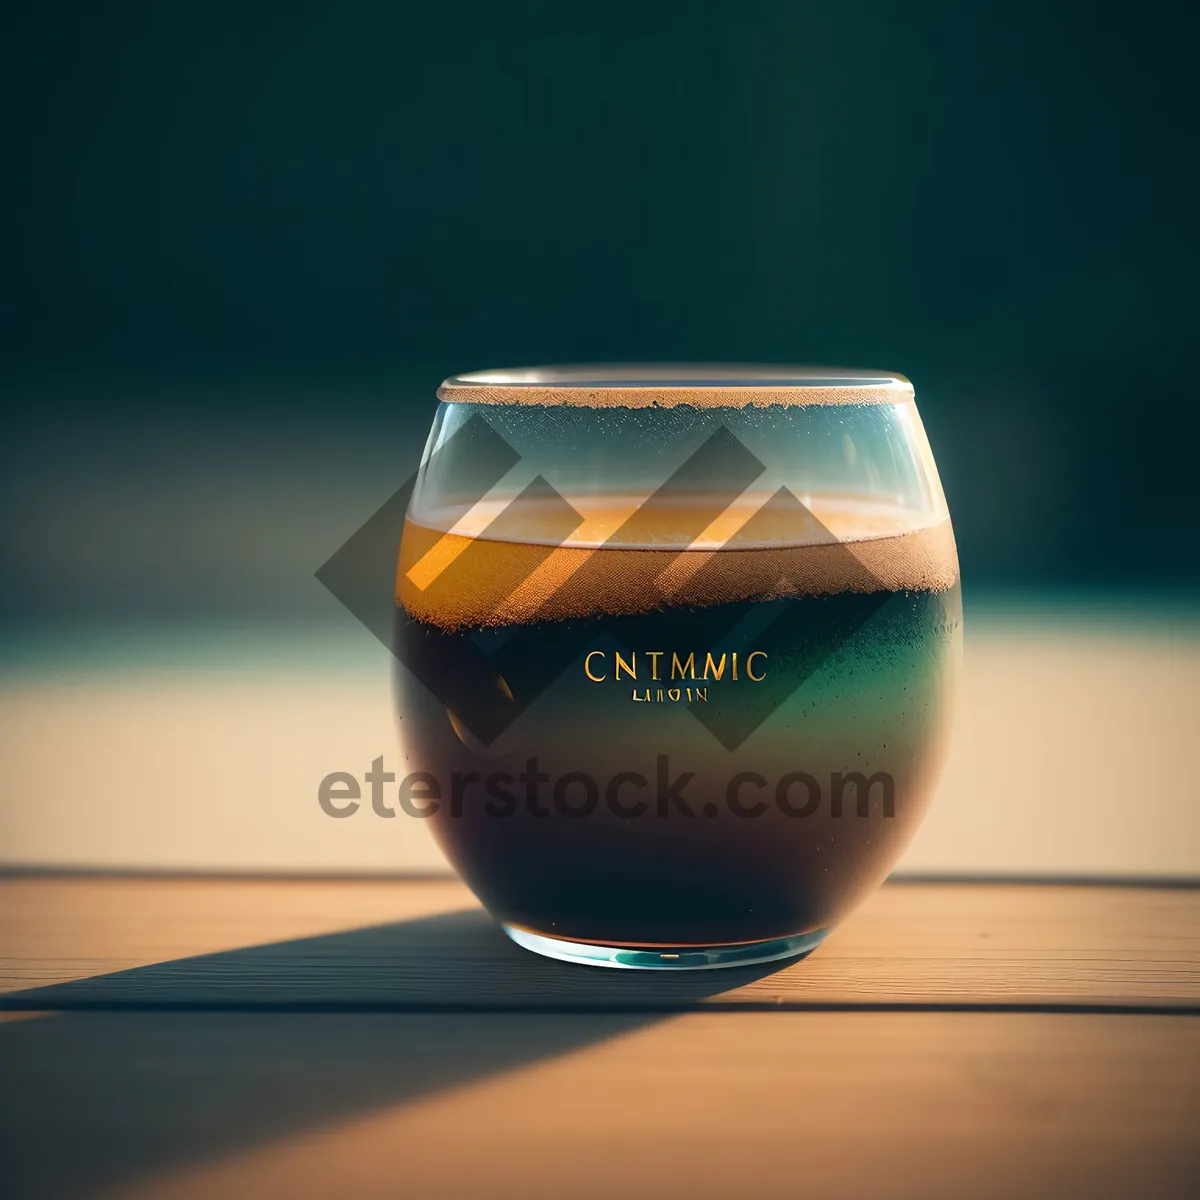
186, 1037
712, 1104
68, 943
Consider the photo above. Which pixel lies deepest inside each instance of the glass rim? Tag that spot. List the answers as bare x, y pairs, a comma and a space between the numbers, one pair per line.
703, 385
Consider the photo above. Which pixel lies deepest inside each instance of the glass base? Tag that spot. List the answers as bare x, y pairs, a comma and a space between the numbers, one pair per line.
667, 958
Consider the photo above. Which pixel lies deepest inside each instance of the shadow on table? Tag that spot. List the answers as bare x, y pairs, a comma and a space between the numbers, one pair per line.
148, 1069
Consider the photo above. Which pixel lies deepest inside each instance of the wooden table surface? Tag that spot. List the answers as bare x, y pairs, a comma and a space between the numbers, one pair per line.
191, 1037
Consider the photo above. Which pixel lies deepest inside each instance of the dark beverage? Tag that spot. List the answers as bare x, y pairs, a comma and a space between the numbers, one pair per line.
664, 749
678, 647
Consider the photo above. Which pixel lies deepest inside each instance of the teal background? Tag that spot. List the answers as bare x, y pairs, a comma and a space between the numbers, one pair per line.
242, 243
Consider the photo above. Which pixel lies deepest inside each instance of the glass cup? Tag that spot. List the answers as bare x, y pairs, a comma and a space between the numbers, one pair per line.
677, 652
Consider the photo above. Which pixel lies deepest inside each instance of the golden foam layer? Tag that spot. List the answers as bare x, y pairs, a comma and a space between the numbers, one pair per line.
699, 385
453, 581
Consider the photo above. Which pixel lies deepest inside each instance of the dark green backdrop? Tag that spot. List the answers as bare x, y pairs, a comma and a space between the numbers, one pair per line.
243, 242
